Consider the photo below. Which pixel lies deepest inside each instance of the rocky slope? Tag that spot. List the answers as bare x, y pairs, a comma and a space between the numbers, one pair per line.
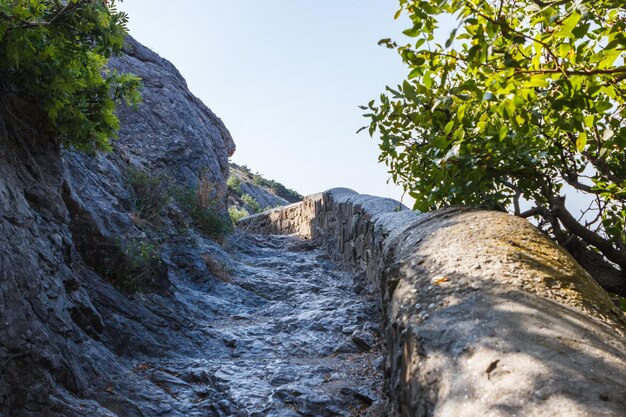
68, 336
253, 193
266, 326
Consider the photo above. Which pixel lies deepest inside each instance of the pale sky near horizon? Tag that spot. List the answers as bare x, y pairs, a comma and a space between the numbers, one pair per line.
286, 77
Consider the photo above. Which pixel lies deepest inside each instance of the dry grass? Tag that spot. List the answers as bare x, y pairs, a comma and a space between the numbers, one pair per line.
217, 269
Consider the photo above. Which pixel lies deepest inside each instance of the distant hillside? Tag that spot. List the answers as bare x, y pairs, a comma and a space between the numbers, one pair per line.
250, 193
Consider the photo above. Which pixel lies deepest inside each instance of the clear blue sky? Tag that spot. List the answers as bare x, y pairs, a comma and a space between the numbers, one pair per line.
286, 77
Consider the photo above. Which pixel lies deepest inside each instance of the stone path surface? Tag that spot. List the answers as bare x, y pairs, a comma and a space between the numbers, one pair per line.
289, 336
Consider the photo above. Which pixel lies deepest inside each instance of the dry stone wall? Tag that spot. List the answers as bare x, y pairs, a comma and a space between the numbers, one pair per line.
482, 313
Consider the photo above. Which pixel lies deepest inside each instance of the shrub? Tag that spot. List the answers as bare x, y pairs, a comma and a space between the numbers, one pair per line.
139, 267
236, 214
201, 205
259, 180
251, 202
244, 168
234, 185
277, 188
53, 58
150, 195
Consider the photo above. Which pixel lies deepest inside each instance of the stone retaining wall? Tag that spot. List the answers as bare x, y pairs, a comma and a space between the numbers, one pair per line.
482, 314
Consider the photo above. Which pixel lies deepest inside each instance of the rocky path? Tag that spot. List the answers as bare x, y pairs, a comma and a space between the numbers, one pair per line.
288, 336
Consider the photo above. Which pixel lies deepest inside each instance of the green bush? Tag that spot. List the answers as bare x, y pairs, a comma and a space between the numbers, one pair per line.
203, 210
140, 264
53, 57
150, 196
277, 188
234, 185
259, 180
236, 214
251, 202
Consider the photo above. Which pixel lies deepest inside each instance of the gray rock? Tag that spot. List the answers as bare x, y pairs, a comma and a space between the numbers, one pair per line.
347, 346
362, 394
173, 131
66, 333
365, 340
263, 197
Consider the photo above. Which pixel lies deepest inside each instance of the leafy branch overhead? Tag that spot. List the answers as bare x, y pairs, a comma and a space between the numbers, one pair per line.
53, 57
523, 105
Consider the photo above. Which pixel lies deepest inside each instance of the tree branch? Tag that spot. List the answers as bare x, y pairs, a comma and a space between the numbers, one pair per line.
66, 10
589, 236
606, 274
612, 71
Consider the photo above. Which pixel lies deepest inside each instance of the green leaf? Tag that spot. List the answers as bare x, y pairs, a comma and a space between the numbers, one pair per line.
427, 80
504, 130
460, 113
413, 32
538, 80
448, 128
415, 73
581, 141
568, 25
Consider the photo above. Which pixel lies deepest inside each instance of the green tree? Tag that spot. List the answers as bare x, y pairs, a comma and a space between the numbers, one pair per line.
523, 104
53, 56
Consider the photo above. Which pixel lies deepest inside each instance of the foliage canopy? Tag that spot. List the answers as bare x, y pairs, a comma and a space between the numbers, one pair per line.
524, 102
53, 55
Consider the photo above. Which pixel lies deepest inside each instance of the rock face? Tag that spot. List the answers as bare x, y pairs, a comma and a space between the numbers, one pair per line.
265, 199
266, 193
173, 131
67, 336
482, 314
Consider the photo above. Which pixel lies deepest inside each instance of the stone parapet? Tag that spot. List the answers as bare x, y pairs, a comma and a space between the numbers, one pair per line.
483, 315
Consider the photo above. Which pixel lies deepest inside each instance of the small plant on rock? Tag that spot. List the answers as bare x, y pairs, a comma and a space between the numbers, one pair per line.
150, 196
234, 185
251, 202
139, 267
201, 204
237, 213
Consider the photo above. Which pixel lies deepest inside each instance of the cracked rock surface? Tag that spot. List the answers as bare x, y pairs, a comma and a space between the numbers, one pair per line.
280, 340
